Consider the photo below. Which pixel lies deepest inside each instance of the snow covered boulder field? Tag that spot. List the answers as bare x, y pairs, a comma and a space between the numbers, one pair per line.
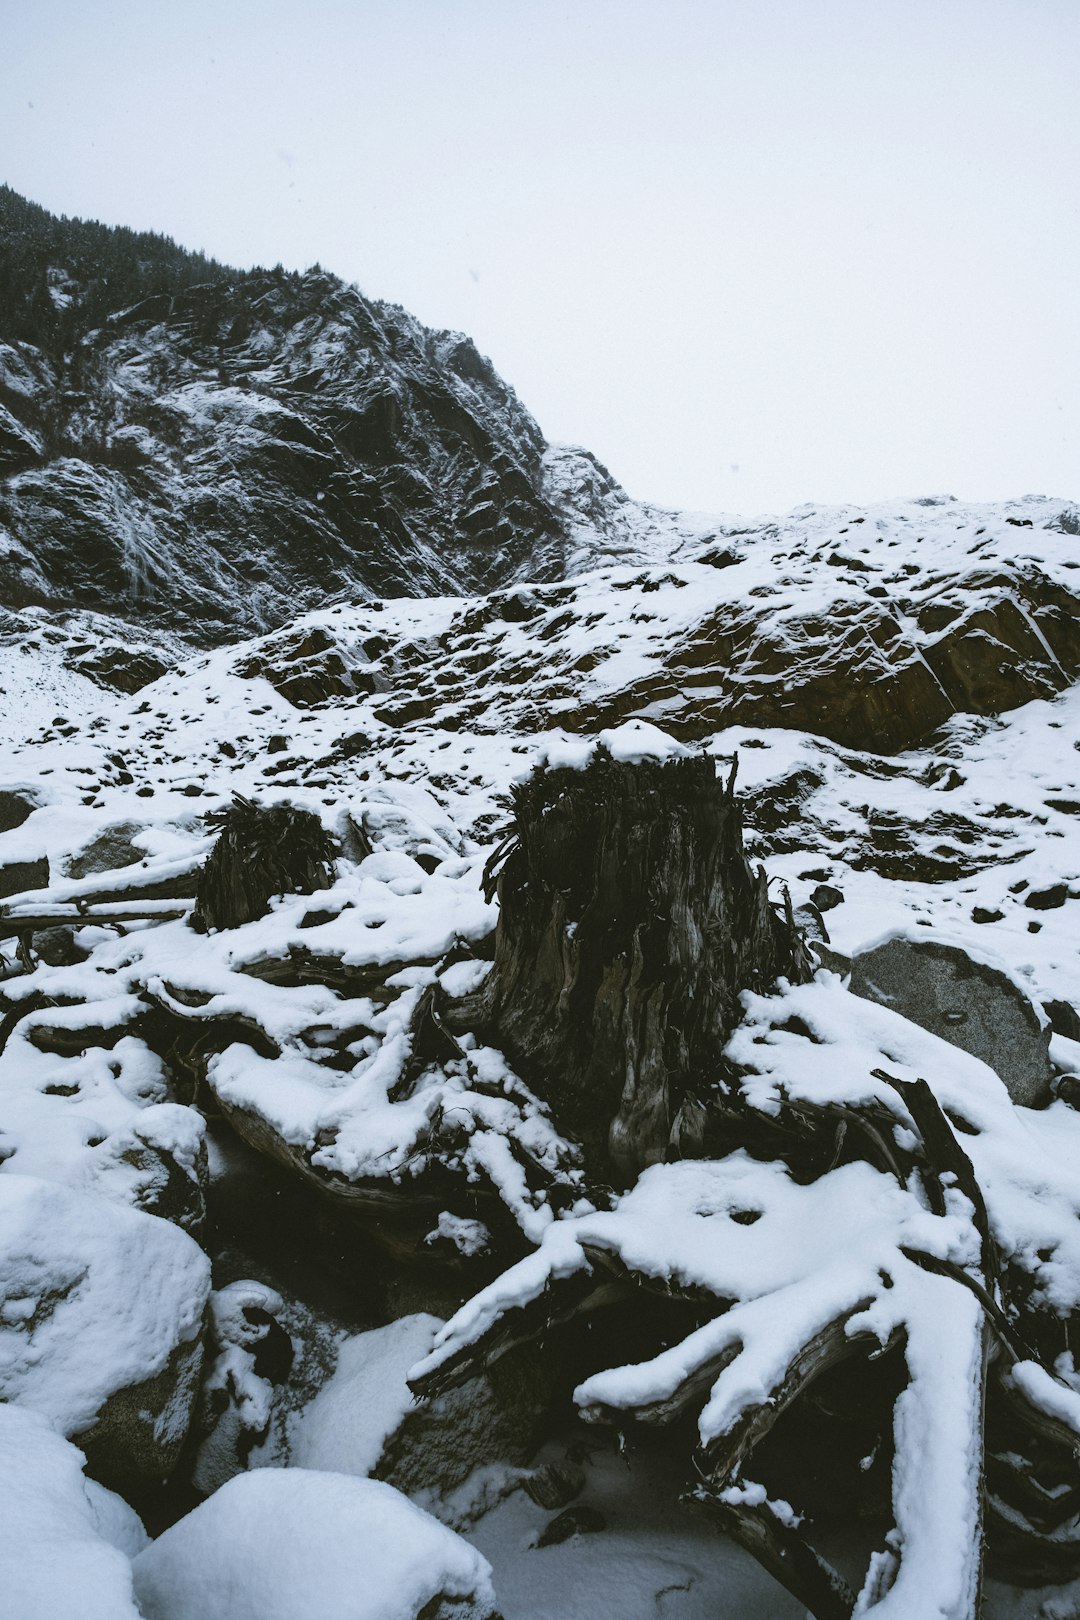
590, 1069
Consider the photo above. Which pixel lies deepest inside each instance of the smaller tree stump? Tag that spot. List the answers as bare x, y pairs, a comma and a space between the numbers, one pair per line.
260, 852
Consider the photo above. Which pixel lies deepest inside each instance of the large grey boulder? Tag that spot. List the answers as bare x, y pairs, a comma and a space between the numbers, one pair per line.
976, 1006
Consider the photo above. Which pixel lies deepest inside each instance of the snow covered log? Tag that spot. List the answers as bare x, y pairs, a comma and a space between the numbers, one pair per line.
630, 922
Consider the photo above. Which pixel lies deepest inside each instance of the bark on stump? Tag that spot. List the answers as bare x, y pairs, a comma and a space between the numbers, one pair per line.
630, 921
260, 852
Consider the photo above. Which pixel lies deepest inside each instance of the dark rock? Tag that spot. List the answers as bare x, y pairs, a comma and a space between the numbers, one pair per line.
554, 1484
498, 1416
1064, 1019
975, 1007
980, 914
1047, 899
15, 808
122, 669
825, 897
277, 744
811, 923
519, 607
1068, 1090
582, 1520
316, 918
835, 961
166, 1188
57, 947
112, 848
139, 1433
308, 667
19, 875
994, 659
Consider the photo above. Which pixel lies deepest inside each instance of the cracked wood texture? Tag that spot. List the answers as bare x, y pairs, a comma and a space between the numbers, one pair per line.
630, 922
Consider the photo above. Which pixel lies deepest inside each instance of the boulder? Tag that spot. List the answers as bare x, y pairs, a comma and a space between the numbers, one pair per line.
971, 1004
18, 876
276, 1544
101, 1314
253, 1354
112, 848
1064, 1019
16, 806
58, 947
65, 1541
308, 667
98, 1120
365, 1421
121, 669
994, 659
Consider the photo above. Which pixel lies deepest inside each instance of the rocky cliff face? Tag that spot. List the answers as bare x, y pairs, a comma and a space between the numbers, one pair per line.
213, 457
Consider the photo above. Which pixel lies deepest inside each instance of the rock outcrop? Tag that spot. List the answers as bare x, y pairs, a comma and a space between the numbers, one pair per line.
969, 1003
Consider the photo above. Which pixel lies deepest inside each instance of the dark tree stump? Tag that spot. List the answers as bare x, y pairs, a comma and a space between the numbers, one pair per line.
260, 852
630, 922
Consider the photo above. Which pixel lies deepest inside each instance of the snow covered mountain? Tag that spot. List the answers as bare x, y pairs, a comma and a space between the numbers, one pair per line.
211, 451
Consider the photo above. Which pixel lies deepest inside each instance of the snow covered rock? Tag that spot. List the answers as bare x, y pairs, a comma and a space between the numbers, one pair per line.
969, 1002
99, 1121
253, 1353
101, 1312
280, 1543
65, 1541
365, 1419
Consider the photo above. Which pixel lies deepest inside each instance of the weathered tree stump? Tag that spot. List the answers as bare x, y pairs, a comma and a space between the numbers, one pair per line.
260, 852
630, 922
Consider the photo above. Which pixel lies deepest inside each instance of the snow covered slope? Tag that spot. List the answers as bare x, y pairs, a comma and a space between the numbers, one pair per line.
416, 717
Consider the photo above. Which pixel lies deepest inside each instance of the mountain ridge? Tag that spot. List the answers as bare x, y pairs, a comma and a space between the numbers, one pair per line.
208, 451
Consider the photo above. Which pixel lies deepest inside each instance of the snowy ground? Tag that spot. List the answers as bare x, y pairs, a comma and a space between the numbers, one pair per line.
973, 838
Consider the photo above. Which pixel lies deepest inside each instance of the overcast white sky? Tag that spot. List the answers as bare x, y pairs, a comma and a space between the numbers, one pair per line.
750, 252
